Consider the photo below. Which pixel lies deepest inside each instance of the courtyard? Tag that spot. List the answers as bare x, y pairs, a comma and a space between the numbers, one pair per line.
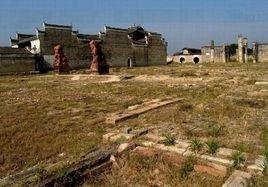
48, 118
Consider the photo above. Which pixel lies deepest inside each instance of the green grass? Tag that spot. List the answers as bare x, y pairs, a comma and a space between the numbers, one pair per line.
186, 107
238, 159
169, 140
196, 145
214, 129
187, 167
212, 146
43, 116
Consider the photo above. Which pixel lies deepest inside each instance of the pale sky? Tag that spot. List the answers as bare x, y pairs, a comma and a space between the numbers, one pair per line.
183, 23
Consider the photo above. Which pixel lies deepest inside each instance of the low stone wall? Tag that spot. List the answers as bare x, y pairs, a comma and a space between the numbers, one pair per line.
17, 65
16, 61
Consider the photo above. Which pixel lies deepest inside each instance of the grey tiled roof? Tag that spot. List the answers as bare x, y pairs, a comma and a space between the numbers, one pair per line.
23, 36
27, 39
10, 50
115, 28
59, 26
13, 41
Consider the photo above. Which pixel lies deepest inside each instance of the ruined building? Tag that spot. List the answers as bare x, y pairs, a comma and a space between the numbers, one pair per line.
210, 53
134, 45
123, 47
242, 51
188, 55
43, 42
260, 52
214, 53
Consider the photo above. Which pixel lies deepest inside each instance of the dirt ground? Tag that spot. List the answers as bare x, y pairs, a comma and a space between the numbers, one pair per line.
48, 118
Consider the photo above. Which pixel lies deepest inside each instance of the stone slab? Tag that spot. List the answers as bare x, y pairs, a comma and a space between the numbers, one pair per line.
107, 137
125, 147
225, 162
162, 147
225, 152
139, 132
183, 144
258, 166
145, 151
154, 138
218, 171
261, 83
148, 144
237, 179
121, 136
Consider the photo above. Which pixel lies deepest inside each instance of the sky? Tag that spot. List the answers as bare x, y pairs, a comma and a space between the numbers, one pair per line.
183, 23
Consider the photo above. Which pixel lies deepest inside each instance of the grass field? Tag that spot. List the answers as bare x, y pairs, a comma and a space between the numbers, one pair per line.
49, 118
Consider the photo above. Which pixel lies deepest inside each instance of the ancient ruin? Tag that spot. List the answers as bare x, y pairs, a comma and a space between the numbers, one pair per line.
60, 60
260, 52
242, 53
16, 60
202, 125
210, 53
188, 55
214, 53
134, 46
123, 47
98, 64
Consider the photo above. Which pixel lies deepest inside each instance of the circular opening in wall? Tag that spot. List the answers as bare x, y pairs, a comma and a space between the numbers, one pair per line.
196, 60
182, 60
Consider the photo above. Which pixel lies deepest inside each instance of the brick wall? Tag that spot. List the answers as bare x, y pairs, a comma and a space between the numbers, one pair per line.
78, 53
118, 49
16, 60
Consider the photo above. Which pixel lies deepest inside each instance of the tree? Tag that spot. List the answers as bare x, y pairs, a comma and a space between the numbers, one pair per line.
233, 48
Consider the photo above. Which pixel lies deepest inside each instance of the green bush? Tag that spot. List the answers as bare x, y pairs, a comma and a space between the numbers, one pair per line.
196, 145
213, 147
169, 140
238, 159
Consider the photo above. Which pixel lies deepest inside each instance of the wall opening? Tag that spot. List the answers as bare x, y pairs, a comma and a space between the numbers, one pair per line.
129, 63
182, 60
196, 60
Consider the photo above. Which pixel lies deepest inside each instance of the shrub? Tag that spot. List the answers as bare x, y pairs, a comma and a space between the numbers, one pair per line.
215, 130
197, 145
186, 107
213, 147
187, 167
238, 159
169, 140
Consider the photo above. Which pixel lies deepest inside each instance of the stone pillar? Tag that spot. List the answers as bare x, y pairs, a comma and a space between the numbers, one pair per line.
255, 52
212, 51
245, 42
224, 53
240, 48
237, 55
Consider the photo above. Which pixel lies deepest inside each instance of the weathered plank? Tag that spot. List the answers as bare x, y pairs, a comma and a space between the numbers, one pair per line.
86, 166
118, 117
